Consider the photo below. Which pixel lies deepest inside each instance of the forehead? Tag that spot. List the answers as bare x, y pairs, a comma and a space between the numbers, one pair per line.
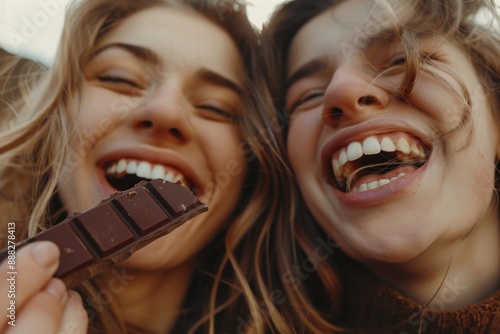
341, 28
180, 37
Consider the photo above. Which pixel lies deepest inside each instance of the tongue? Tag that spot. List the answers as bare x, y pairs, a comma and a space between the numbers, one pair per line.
366, 179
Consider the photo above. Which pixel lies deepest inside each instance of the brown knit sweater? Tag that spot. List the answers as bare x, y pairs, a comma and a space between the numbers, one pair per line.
373, 307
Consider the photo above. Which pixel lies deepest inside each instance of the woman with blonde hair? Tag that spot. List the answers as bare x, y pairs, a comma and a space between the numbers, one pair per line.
141, 90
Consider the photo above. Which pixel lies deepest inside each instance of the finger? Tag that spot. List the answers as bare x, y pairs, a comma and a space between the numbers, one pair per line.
34, 266
43, 312
74, 320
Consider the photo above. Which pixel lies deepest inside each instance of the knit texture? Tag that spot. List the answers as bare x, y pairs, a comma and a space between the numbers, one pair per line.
373, 307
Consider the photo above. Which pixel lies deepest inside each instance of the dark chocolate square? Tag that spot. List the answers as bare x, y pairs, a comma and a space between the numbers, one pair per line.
177, 198
105, 228
74, 254
143, 210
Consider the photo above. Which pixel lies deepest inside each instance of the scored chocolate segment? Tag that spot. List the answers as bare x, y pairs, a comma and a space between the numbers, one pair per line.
74, 253
98, 239
103, 227
176, 201
142, 211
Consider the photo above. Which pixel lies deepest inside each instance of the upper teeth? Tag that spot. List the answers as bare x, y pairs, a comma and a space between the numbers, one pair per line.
144, 169
371, 146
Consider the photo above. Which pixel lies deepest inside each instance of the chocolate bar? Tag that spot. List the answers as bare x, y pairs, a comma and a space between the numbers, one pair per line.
98, 239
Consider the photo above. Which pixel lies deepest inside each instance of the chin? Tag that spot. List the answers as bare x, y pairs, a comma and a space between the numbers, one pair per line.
385, 251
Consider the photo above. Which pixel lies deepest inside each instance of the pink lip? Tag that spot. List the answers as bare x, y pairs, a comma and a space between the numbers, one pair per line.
389, 192
153, 155
359, 132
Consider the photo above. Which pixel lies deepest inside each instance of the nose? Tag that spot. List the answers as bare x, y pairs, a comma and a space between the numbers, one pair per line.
164, 114
351, 97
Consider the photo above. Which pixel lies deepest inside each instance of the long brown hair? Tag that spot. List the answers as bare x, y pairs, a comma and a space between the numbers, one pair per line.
34, 145
453, 20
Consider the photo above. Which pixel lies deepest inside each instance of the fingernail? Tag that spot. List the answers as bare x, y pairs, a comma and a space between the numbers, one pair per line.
73, 295
45, 253
75, 298
57, 289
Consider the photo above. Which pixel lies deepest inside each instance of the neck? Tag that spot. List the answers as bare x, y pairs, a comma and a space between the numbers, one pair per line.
153, 299
453, 276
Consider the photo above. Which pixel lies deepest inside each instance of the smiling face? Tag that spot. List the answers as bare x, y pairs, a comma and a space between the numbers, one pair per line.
159, 100
390, 176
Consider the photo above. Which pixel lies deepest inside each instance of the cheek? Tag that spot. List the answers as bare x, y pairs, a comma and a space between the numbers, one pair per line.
225, 145
485, 139
226, 156
87, 124
302, 141
98, 109
487, 126
97, 113
444, 106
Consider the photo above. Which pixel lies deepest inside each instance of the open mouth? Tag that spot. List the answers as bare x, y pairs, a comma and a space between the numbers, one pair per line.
377, 161
126, 173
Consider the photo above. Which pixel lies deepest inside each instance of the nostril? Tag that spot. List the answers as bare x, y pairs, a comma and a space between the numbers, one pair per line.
146, 124
367, 100
336, 113
333, 115
175, 132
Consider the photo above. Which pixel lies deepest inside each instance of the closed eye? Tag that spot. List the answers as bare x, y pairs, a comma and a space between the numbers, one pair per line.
121, 84
394, 66
217, 112
309, 100
120, 80
398, 60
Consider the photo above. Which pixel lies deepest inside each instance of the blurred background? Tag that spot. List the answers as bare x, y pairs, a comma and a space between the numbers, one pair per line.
31, 28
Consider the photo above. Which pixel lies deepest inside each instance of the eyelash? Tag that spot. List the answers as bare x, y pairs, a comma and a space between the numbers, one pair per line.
398, 60
311, 95
219, 111
425, 57
120, 80
114, 79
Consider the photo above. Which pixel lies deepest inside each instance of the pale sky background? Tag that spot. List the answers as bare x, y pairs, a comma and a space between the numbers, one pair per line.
31, 28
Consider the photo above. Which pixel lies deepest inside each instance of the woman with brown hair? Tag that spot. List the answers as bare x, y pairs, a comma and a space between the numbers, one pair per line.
393, 136
141, 90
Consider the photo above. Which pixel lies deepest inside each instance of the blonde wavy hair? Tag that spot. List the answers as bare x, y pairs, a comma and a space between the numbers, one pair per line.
317, 302
34, 135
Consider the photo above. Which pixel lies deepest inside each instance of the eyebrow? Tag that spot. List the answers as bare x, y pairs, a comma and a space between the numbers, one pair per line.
310, 68
384, 37
150, 56
140, 52
212, 77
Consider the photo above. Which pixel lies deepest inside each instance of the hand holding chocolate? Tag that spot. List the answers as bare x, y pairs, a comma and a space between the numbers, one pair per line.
98, 239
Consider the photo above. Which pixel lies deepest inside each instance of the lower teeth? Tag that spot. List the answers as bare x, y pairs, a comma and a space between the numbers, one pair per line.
383, 172
373, 185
